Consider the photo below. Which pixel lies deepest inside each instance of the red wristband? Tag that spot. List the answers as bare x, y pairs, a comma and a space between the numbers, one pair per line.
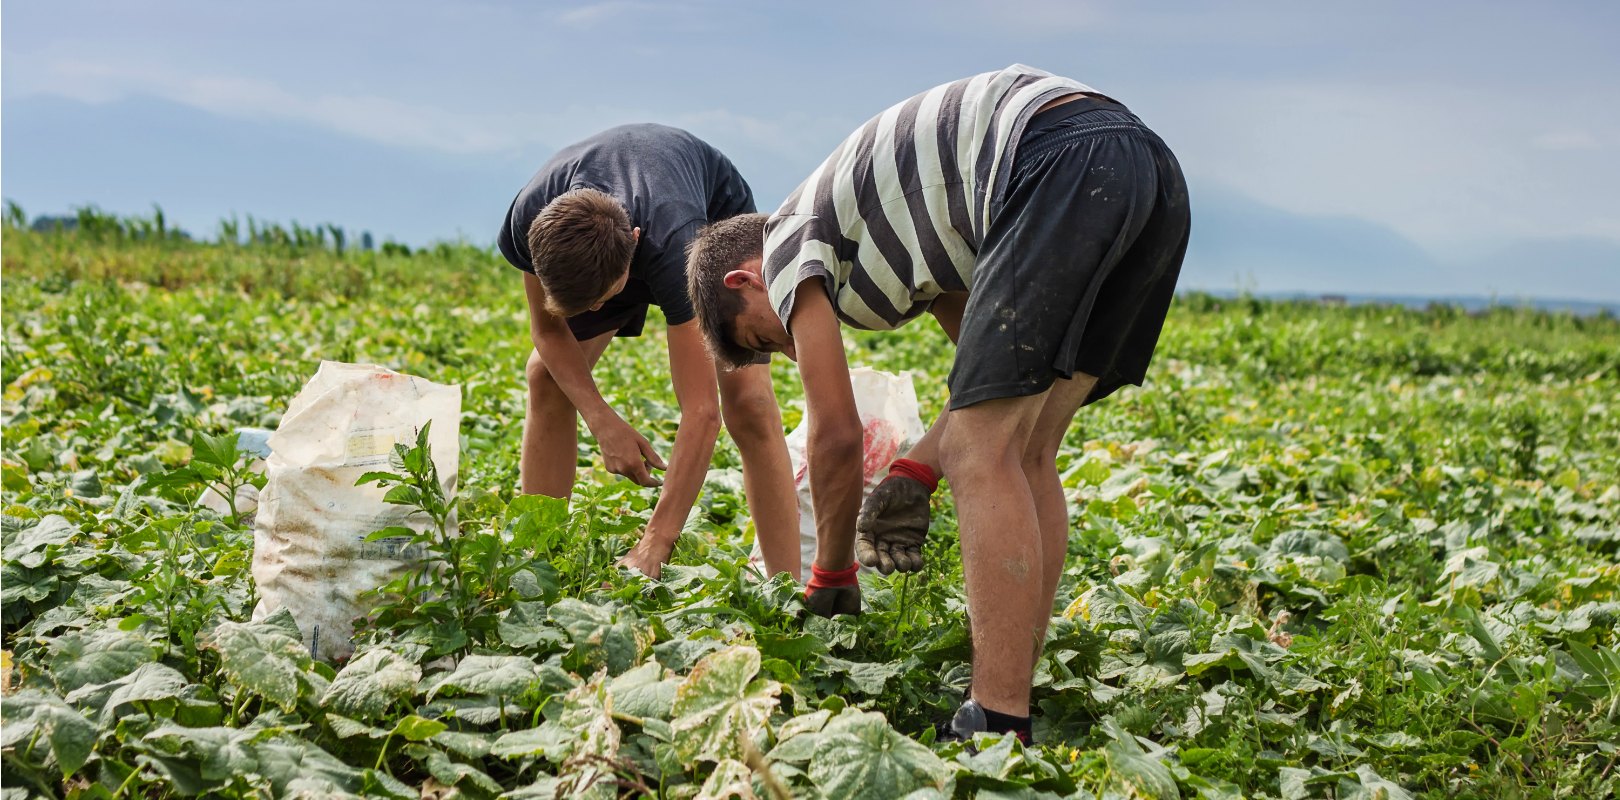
917, 471
827, 579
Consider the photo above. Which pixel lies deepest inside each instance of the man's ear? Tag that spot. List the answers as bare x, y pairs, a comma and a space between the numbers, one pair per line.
739, 278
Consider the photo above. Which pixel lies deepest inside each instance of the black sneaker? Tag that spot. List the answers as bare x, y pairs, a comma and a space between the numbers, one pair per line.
968, 720
830, 601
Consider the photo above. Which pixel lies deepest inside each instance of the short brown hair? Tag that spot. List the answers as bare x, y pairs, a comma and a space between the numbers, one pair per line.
580, 245
717, 250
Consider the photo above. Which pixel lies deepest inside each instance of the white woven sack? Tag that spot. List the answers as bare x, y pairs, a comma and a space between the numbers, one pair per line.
310, 554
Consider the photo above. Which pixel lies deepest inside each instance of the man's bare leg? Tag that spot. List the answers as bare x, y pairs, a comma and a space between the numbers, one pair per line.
748, 406
1002, 548
1040, 469
551, 427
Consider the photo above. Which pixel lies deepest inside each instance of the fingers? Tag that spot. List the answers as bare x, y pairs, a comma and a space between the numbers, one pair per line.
908, 558
641, 476
865, 552
649, 454
885, 563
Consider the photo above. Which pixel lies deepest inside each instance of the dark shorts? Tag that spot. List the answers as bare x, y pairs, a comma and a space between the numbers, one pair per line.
624, 314
1078, 267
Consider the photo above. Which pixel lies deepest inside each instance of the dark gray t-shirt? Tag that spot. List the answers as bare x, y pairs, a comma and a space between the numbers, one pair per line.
670, 183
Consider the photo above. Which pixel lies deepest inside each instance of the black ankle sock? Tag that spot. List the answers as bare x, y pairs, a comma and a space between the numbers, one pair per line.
997, 722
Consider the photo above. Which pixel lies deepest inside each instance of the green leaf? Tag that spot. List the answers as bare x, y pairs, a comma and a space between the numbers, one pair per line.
1369, 785
719, 703
603, 636
498, 676
730, 779
96, 657
1140, 774
30, 713
148, 682
366, 686
345, 728
220, 753
550, 740
450, 772
260, 658
219, 451
644, 692
418, 729
869, 678
524, 625
858, 755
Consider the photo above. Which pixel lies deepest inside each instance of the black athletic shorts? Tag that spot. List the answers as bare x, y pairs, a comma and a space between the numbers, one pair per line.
624, 314
1078, 267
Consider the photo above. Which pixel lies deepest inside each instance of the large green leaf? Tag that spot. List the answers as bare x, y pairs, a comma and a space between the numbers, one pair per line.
450, 772
720, 703
867, 677
603, 636
859, 756
219, 753
644, 692
96, 657
368, 684
496, 676
261, 658
147, 683
730, 779
525, 625
31, 713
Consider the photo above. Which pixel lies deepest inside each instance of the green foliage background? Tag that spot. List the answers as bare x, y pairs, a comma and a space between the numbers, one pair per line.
1325, 552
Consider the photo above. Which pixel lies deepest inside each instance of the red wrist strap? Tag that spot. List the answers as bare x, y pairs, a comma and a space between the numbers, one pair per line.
827, 579
917, 471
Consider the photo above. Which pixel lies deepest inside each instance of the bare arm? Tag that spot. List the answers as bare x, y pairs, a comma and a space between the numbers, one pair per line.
835, 426
694, 378
947, 310
625, 451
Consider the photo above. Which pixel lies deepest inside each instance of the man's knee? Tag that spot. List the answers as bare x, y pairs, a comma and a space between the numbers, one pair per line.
1038, 457
544, 390
964, 450
752, 416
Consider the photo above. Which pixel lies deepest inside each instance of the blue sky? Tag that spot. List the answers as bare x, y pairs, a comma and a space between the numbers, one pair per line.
1465, 148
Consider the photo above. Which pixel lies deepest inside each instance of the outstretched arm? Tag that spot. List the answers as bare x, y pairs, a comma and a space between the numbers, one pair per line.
624, 451
693, 374
835, 425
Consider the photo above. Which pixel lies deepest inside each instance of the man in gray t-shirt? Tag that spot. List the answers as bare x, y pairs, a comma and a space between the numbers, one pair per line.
600, 233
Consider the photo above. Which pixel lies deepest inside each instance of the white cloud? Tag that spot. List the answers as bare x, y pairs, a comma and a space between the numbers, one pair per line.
1566, 140
592, 14
393, 122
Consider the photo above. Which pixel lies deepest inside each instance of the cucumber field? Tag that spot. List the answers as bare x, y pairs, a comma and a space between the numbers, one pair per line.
1325, 552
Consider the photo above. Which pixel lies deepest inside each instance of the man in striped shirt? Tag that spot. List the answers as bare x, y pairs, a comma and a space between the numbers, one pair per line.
1043, 226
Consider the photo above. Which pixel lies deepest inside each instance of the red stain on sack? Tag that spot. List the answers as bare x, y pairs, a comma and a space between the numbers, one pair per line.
880, 443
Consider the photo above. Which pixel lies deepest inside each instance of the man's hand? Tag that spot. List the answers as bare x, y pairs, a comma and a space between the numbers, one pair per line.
650, 554
628, 453
893, 523
833, 592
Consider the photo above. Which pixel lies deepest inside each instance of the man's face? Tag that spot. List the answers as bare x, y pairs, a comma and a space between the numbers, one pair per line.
618, 286
758, 327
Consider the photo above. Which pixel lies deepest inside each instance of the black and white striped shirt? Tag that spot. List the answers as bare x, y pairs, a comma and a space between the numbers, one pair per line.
894, 217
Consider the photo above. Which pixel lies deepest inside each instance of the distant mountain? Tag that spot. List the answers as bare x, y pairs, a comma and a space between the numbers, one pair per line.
1241, 243
1577, 268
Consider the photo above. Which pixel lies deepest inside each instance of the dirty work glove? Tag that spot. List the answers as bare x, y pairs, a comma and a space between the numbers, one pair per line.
832, 592
893, 523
